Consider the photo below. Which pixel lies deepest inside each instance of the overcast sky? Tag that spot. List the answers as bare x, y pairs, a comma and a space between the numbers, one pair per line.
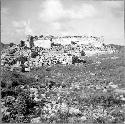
62, 17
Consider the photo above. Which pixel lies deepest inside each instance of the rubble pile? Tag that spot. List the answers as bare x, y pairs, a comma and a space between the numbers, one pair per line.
30, 56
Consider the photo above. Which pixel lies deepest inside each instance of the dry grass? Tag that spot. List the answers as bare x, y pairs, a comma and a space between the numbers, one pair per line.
84, 87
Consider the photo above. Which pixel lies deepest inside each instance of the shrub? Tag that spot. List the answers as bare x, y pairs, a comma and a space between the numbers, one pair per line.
22, 43
31, 42
34, 54
12, 51
83, 53
11, 44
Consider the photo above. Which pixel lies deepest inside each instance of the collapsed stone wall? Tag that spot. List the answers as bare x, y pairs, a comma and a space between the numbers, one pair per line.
49, 56
46, 42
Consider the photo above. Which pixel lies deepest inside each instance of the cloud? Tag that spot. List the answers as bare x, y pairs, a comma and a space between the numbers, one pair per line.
113, 8
23, 27
56, 25
114, 4
19, 24
28, 29
4, 10
56, 15
53, 10
85, 10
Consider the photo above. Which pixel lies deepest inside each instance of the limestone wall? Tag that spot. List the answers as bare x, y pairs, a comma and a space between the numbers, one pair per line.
42, 43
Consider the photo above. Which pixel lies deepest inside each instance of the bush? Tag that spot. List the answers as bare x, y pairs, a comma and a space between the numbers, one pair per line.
74, 59
34, 54
31, 42
23, 59
23, 106
11, 44
12, 51
83, 53
22, 43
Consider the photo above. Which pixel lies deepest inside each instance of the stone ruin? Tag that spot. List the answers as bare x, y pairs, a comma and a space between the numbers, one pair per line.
47, 51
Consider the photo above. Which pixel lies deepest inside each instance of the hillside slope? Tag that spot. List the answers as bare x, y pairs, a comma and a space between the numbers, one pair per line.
88, 93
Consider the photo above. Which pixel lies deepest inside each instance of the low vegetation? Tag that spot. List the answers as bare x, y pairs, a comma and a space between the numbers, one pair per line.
88, 93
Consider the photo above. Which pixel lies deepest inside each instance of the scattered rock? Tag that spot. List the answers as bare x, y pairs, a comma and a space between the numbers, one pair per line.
104, 90
35, 120
112, 85
63, 108
75, 111
119, 91
27, 69
83, 118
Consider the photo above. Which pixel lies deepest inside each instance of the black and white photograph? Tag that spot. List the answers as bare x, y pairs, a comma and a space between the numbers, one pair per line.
62, 61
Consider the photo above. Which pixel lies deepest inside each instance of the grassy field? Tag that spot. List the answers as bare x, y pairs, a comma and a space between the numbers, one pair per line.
81, 93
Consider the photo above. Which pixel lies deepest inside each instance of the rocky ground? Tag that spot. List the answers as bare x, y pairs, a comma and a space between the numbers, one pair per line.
89, 93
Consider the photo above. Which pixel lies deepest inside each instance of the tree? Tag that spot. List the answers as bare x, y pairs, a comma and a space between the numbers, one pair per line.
82, 53
22, 43
41, 36
11, 44
36, 37
34, 54
31, 42
74, 59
